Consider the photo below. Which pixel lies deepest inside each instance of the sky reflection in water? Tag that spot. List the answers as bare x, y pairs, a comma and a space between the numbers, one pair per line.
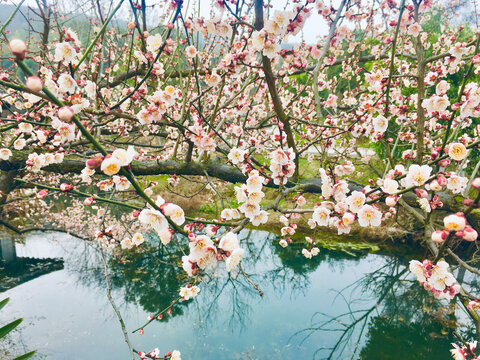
67, 314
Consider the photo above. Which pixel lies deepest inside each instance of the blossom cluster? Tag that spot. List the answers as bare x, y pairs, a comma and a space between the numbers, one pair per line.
189, 292
155, 353
205, 253
282, 165
249, 195
136, 240
465, 351
435, 278
36, 162
457, 225
157, 219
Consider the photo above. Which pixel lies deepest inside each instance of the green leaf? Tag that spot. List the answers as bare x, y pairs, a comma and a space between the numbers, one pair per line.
9, 327
4, 302
26, 356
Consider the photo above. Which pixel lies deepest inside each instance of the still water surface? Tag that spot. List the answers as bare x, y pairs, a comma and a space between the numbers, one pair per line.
337, 305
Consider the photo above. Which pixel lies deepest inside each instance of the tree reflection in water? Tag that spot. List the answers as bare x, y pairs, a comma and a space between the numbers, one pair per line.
388, 316
403, 323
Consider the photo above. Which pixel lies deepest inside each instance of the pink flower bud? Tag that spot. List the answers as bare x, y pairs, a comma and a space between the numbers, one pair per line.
18, 48
435, 186
442, 180
42, 194
439, 236
444, 162
421, 193
34, 83
88, 201
65, 113
192, 237
140, 332
468, 202
476, 183
94, 163
153, 354
473, 304
391, 200
66, 187
469, 234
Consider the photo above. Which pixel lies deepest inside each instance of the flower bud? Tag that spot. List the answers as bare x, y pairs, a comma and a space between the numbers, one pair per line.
435, 186
476, 183
439, 236
18, 48
65, 113
34, 83
94, 163
66, 187
442, 180
455, 289
421, 193
468, 202
42, 194
469, 234
88, 201
444, 162
391, 200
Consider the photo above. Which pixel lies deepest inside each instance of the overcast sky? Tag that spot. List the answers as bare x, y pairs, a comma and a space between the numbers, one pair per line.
314, 26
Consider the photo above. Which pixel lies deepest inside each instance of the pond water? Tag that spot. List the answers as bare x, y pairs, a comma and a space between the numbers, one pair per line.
337, 305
